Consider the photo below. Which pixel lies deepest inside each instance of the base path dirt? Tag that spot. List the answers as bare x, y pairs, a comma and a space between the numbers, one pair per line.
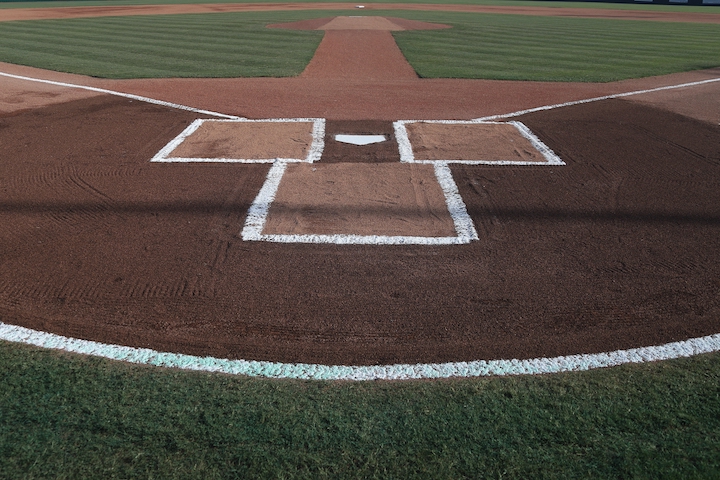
358, 99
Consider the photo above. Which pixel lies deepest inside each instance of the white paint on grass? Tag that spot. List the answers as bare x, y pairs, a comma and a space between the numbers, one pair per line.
121, 94
408, 156
314, 152
478, 368
260, 208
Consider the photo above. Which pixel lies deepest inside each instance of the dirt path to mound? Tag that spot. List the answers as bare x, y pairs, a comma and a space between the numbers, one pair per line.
616, 249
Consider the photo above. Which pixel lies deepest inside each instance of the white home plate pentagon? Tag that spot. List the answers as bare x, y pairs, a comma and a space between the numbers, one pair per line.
360, 140
247, 141
359, 203
473, 142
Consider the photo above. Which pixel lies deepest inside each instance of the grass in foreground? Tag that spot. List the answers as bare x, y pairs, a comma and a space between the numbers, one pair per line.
66, 416
506, 47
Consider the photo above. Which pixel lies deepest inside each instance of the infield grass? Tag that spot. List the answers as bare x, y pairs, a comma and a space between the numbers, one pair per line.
66, 416
508, 47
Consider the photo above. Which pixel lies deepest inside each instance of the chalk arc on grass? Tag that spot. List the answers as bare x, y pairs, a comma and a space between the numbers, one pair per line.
307, 371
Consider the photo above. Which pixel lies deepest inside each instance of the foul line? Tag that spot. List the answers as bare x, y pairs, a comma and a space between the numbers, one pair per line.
120, 94
479, 368
260, 208
595, 99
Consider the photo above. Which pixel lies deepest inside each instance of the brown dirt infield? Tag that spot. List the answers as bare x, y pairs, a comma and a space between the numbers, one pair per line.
616, 249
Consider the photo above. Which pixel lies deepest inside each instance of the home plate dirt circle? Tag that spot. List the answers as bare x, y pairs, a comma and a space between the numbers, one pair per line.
576, 237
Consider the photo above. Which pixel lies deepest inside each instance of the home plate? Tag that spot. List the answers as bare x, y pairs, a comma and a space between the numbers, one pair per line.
360, 139
366, 203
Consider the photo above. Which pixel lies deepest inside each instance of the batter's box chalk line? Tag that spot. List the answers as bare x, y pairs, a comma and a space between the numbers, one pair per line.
408, 156
309, 371
259, 210
315, 149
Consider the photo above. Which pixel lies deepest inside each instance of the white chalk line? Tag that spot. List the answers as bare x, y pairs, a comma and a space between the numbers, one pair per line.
260, 208
408, 156
315, 149
307, 371
164, 152
545, 151
258, 211
456, 206
121, 94
595, 99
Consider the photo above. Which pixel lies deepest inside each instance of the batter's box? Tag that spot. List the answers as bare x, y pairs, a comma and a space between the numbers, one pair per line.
247, 141
471, 142
359, 203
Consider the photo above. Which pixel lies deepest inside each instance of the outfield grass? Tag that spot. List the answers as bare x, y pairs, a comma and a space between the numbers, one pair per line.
514, 47
214, 45
66, 416
510, 47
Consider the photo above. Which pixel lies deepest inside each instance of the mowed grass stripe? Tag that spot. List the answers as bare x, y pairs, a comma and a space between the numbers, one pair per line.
219, 45
144, 44
212, 46
516, 47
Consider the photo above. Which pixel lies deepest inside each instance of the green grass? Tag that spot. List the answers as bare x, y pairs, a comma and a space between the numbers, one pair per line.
221, 45
65, 416
514, 47
509, 47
